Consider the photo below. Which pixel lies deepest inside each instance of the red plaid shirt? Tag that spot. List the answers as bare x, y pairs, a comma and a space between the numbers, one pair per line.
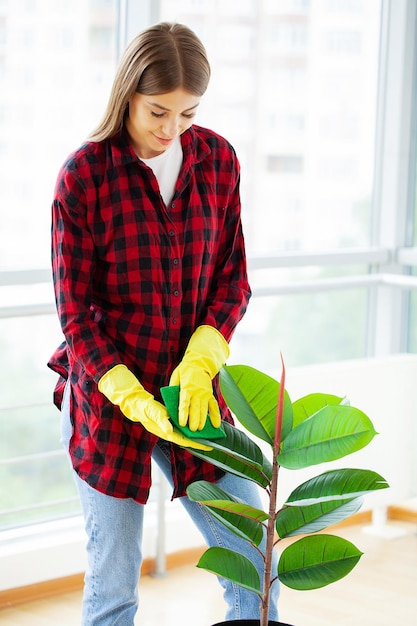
133, 279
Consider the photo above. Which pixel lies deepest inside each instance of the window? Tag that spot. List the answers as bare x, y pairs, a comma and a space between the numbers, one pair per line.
247, 8
286, 79
345, 6
342, 42
289, 37
68, 91
307, 157
237, 41
412, 318
101, 42
53, 91
322, 320
287, 6
285, 163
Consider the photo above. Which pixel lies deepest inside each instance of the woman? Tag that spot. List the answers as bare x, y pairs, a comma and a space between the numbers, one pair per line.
150, 280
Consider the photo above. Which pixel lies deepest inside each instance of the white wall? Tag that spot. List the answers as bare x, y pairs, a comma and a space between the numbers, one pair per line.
383, 388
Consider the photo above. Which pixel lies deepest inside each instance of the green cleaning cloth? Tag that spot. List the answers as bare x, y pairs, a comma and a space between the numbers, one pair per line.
171, 397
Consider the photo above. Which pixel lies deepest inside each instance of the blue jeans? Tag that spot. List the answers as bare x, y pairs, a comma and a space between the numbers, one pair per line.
114, 529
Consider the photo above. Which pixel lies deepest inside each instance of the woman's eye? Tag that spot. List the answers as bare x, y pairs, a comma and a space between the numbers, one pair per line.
156, 114
189, 116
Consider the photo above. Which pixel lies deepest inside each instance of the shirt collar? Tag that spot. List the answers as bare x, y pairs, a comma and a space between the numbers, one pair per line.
195, 148
121, 148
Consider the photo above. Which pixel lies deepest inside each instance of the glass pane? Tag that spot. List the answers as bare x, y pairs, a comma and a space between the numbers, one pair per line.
38, 479
412, 310
286, 79
307, 327
33, 465
412, 322
35, 474
57, 62
268, 329
294, 89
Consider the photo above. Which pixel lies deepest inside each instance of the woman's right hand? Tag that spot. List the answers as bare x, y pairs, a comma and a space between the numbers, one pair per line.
123, 389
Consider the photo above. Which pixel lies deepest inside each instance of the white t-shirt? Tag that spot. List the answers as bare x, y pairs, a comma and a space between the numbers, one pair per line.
166, 167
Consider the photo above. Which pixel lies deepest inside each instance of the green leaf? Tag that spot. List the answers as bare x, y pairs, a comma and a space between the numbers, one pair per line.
300, 520
316, 561
305, 407
238, 516
237, 454
232, 566
341, 484
331, 433
252, 396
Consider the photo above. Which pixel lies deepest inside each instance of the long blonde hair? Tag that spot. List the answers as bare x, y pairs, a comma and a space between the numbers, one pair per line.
158, 60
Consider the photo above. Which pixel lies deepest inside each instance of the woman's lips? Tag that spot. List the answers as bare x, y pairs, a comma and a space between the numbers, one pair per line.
164, 142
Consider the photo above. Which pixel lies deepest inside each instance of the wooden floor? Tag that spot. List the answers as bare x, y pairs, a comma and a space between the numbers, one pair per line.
381, 591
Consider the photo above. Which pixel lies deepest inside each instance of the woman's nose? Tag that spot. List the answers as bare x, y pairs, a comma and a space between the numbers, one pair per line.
171, 127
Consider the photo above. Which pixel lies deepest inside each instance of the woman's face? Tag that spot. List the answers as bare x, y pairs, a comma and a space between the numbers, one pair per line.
153, 122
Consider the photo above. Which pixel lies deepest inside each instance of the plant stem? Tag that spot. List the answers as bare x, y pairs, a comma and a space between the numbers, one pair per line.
270, 541
270, 531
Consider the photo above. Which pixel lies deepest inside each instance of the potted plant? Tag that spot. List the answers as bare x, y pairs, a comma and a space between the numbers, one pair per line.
314, 429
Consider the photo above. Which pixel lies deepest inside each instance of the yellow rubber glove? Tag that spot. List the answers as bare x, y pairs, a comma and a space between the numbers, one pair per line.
122, 388
206, 352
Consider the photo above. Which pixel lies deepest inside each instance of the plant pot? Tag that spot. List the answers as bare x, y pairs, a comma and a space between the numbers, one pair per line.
249, 622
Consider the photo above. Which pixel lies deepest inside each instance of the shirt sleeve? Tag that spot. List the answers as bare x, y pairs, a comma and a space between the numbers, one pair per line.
73, 262
230, 292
